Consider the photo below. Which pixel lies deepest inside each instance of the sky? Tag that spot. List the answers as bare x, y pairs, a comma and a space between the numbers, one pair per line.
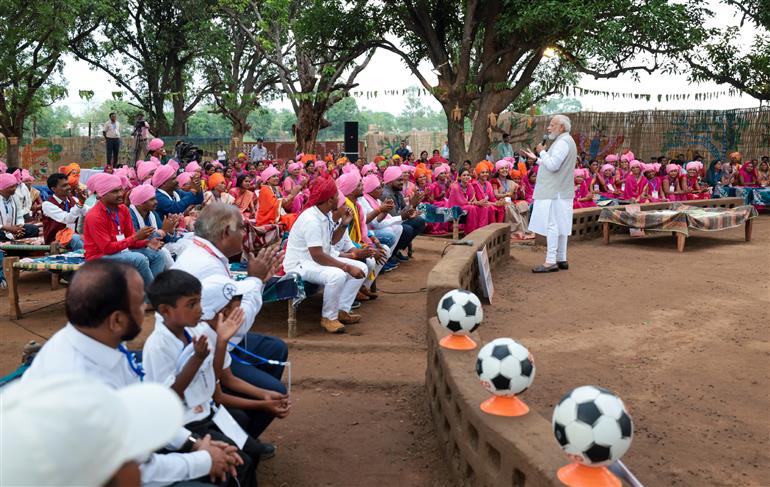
386, 71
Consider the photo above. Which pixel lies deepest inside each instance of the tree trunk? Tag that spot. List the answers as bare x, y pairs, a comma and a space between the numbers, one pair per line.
310, 120
12, 144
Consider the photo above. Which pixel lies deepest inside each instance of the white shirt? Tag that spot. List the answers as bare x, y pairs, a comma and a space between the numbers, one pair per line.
23, 199
377, 224
10, 214
258, 153
112, 129
58, 215
174, 196
311, 229
203, 259
164, 356
69, 351
221, 155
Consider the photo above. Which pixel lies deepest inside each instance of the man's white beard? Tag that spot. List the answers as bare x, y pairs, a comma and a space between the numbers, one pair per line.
551, 136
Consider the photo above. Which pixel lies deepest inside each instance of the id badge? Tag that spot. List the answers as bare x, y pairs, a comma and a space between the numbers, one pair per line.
654, 194
119, 237
230, 427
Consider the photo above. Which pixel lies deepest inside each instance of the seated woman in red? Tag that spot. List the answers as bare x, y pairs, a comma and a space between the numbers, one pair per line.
584, 196
651, 192
608, 184
463, 194
747, 174
635, 183
485, 191
671, 184
694, 190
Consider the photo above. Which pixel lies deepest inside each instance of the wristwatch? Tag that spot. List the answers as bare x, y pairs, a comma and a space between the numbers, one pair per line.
190, 443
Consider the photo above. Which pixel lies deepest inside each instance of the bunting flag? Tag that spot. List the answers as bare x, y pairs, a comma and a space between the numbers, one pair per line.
699, 96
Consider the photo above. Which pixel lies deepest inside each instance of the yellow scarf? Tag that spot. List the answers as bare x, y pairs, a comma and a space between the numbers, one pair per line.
354, 229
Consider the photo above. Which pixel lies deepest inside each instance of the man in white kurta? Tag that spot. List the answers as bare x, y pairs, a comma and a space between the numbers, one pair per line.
554, 192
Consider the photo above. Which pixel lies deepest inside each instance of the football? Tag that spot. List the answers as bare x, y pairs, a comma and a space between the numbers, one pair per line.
460, 310
505, 367
592, 426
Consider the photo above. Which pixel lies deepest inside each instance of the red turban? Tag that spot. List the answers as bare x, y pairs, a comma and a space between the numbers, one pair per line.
321, 190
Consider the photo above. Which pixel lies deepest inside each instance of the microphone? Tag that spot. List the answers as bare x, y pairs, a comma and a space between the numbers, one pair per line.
545, 139
469, 243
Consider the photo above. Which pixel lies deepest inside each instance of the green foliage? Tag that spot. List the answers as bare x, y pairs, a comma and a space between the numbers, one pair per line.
560, 105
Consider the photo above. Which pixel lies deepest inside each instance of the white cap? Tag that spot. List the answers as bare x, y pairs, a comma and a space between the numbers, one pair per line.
219, 290
74, 430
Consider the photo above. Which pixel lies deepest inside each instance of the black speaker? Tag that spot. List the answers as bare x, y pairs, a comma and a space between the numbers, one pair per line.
351, 137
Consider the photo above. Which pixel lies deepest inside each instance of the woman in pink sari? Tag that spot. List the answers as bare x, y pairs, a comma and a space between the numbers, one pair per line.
635, 183
463, 194
672, 184
651, 192
584, 197
529, 181
485, 191
747, 174
693, 189
296, 178
608, 184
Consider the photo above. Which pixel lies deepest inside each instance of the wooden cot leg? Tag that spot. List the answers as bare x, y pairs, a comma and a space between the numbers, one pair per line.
680, 238
54, 281
749, 227
455, 230
606, 232
12, 278
292, 320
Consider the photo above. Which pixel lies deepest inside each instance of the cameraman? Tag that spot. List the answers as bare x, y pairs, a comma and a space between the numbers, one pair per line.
140, 134
111, 133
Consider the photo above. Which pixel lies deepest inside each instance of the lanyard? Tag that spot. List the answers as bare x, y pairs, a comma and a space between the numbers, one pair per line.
260, 360
211, 253
114, 218
136, 367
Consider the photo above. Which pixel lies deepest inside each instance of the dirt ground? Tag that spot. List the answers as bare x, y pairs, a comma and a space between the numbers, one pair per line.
683, 339
360, 414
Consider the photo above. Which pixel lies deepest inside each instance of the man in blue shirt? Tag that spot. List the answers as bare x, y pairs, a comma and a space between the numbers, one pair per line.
170, 199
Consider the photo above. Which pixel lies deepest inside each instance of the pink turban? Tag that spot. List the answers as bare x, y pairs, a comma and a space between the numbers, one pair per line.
635, 163
162, 174
131, 173
371, 182
269, 172
407, 168
26, 177
441, 168
141, 193
347, 183
391, 174
7, 180
340, 199
694, 165
656, 166
319, 164
155, 161
155, 144
608, 167
17, 175
124, 182
144, 169
648, 167
294, 166
192, 167
611, 158
173, 164
503, 163
628, 156
582, 172
672, 167
368, 168
217, 164
102, 183
184, 178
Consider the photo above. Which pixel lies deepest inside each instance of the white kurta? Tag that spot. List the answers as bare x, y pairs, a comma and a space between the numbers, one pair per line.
557, 211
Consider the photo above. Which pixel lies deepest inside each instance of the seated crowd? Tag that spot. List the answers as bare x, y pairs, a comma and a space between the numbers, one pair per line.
165, 235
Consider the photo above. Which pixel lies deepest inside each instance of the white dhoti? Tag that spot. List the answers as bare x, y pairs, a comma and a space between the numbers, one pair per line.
553, 219
340, 288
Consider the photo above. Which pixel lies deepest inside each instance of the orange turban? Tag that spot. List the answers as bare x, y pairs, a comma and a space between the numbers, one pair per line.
306, 158
484, 165
378, 158
342, 161
215, 179
515, 173
422, 171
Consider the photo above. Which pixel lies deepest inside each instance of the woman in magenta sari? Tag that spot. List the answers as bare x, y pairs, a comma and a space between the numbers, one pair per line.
635, 183
485, 191
584, 196
693, 189
528, 182
296, 178
440, 187
463, 194
747, 174
651, 192
672, 184
608, 184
